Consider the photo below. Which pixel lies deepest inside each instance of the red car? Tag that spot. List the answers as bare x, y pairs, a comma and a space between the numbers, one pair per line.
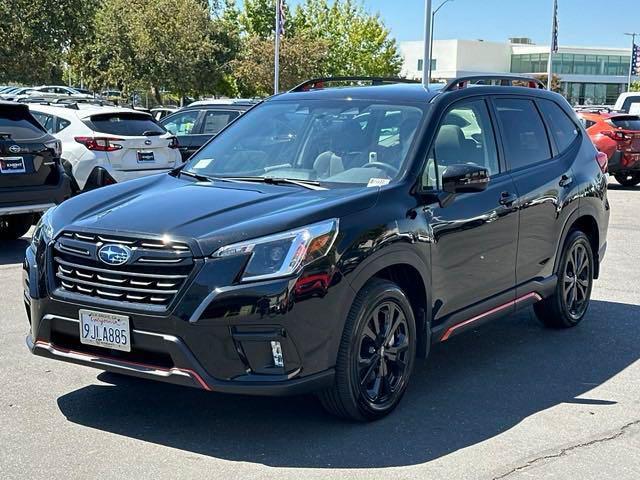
617, 135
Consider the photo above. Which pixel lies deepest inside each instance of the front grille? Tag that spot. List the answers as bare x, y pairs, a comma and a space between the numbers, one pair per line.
153, 275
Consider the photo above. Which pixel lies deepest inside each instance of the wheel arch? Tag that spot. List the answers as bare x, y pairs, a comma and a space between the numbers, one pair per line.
587, 223
403, 268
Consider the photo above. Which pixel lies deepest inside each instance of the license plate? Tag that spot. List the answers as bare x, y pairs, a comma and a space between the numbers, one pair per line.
12, 165
105, 330
146, 157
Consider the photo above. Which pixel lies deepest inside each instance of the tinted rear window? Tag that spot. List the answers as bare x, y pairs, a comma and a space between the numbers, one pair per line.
524, 136
127, 124
563, 129
19, 124
626, 123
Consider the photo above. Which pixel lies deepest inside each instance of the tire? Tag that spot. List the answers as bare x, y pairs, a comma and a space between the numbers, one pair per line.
376, 355
628, 180
570, 300
13, 227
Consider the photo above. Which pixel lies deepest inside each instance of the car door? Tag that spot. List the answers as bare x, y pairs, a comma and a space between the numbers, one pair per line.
474, 245
213, 120
540, 143
182, 125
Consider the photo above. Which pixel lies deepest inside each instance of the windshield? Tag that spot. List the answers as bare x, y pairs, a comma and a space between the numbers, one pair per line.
339, 141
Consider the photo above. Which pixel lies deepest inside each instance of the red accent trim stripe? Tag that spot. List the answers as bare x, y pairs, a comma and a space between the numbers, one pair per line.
194, 375
511, 303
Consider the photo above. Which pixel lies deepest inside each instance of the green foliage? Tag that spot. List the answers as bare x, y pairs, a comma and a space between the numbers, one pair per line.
635, 86
359, 43
36, 35
165, 44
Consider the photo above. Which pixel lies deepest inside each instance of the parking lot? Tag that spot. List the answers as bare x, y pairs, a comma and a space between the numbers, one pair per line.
507, 400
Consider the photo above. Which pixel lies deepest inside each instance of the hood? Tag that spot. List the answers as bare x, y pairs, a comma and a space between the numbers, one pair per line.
206, 214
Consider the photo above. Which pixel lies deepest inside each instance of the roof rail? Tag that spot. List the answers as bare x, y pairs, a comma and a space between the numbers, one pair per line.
319, 83
503, 80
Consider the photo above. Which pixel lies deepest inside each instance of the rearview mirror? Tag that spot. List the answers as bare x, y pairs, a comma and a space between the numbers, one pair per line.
463, 178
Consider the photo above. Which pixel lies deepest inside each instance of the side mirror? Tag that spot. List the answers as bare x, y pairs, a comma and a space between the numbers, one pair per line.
464, 178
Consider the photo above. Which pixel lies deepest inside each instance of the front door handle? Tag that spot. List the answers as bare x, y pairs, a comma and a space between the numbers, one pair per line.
566, 180
507, 198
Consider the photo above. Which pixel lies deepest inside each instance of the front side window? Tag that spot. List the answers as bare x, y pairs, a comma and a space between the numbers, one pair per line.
330, 141
216, 120
523, 133
464, 136
182, 123
563, 129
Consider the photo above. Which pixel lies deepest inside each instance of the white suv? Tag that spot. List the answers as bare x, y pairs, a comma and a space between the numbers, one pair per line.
105, 145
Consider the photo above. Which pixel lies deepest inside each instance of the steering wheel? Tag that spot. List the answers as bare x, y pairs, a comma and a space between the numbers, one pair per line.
384, 166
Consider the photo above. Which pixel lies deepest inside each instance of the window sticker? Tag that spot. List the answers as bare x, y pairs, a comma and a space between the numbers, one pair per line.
204, 163
378, 182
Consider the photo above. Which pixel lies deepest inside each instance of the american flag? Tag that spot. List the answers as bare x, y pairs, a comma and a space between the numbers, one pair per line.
281, 7
554, 35
635, 60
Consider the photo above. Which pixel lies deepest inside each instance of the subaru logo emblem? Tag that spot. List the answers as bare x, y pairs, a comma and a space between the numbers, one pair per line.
15, 149
112, 254
147, 142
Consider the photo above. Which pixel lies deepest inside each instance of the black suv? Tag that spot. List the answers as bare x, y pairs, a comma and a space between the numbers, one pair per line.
324, 240
197, 123
31, 177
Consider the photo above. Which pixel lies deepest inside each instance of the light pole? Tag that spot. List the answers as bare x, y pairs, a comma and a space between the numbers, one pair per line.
433, 21
633, 36
426, 52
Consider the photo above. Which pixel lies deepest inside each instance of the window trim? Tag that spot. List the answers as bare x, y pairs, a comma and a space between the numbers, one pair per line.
531, 99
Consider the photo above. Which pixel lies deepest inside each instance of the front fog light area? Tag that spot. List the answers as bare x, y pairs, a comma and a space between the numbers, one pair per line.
284, 253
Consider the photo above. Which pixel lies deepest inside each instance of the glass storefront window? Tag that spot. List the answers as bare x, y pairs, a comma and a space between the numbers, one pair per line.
571, 63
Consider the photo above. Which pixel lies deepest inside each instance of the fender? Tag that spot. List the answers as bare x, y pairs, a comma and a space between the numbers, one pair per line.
583, 210
394, 256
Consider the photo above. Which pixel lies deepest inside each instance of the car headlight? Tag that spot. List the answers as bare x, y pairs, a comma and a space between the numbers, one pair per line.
284, 253
44, 229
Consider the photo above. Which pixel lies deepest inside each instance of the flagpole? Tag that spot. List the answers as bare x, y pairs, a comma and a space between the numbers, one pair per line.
552, 45
276, 74
633, 44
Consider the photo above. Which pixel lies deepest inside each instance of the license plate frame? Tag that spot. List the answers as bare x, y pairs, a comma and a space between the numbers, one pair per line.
145, 156
12, 165
105, 330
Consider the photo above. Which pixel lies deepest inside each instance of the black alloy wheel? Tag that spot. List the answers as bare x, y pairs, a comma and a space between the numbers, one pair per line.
382, 360
570, 300
376, 354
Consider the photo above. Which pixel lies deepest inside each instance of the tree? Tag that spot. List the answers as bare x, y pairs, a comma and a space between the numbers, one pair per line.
359, 43
300, 58
635, 86
258, 18
179, 45
35, 43
555, 82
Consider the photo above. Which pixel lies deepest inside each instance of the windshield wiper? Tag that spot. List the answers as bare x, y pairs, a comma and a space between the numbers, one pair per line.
310, 184
200, 178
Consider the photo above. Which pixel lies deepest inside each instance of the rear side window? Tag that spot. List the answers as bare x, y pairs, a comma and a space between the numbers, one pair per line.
19, 125
563, 129
523, 133
626, 123
127, 124
214, 121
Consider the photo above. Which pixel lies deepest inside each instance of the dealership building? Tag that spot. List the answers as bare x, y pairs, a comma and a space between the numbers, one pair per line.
588, 75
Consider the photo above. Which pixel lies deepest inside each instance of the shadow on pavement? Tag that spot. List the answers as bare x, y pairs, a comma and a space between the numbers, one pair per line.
472, 388
12, 251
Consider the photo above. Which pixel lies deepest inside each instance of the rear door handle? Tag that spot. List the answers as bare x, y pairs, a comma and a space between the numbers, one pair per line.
566, 180
507, 198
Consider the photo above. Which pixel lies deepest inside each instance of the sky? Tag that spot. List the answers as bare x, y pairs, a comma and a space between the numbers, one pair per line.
594, 23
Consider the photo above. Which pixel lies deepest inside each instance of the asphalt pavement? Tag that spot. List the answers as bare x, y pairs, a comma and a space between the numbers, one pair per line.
508, 400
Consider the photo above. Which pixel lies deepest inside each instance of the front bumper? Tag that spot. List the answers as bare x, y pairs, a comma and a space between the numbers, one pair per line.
212, 338
17, 201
